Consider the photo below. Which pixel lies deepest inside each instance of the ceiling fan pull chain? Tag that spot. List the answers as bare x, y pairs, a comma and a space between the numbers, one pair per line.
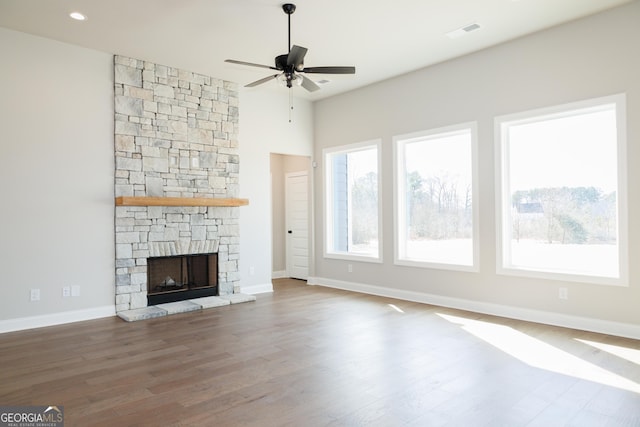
290, 105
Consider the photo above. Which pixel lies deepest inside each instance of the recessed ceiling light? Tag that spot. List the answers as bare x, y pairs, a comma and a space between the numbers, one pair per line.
77, 16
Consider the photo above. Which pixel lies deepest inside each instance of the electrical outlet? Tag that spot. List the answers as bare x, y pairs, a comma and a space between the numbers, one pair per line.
252, 270
75, 291
34, 295
66, 291
350, 268
563, 293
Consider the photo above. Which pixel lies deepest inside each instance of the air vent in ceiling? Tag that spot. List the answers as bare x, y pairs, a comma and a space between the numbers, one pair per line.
463, 30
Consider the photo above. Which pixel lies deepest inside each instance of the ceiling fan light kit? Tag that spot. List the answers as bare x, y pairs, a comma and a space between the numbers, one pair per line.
291, 65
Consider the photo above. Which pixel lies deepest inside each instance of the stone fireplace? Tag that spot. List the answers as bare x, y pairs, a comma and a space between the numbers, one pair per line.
181, 277
175, 140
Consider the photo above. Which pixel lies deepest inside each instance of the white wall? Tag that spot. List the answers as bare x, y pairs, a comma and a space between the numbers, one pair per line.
265, 129
278, 239
56, 178
589, 58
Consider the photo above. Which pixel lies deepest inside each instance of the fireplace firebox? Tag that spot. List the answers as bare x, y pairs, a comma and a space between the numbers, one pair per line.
181, 277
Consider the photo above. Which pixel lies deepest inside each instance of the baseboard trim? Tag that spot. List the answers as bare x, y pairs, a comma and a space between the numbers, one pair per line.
279, 274
257, 289
31, 322
626, 330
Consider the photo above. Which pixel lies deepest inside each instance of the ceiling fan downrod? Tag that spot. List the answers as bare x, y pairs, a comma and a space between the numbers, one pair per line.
289, 8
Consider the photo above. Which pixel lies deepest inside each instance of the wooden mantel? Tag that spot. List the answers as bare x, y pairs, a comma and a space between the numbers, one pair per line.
179, 201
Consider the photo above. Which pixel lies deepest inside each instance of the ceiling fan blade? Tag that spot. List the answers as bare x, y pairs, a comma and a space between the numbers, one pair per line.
251, 64
330, 70
308, 84
264, 80
296, 56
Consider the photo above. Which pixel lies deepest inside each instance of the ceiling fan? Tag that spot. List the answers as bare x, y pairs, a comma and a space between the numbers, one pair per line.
291, 64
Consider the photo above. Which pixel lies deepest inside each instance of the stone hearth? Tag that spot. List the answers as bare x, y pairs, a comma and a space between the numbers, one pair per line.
168, 309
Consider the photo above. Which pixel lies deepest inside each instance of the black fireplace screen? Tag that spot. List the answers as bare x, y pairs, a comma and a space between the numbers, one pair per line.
181, 277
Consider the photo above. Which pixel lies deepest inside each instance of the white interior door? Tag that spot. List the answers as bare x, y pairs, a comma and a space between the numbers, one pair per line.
297, 221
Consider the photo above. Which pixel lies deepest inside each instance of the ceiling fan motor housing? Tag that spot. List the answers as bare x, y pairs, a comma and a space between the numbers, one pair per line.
281, 62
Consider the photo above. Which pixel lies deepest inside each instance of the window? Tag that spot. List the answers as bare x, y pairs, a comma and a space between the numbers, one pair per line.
436, 218
352, 201
562, 192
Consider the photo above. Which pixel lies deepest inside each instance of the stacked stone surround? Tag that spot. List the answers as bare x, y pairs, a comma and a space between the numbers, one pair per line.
176, 135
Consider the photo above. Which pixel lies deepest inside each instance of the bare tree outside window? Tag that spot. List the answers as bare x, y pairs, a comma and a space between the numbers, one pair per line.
435, 208
352, 202
561, 194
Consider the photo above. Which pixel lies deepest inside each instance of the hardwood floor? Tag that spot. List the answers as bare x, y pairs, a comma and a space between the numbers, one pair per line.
313, 356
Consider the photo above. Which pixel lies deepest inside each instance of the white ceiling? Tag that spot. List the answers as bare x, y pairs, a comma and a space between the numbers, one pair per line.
381, 39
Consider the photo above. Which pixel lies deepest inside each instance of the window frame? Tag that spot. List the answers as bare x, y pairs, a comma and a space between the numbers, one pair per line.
502, 209
399, 202
328, 200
